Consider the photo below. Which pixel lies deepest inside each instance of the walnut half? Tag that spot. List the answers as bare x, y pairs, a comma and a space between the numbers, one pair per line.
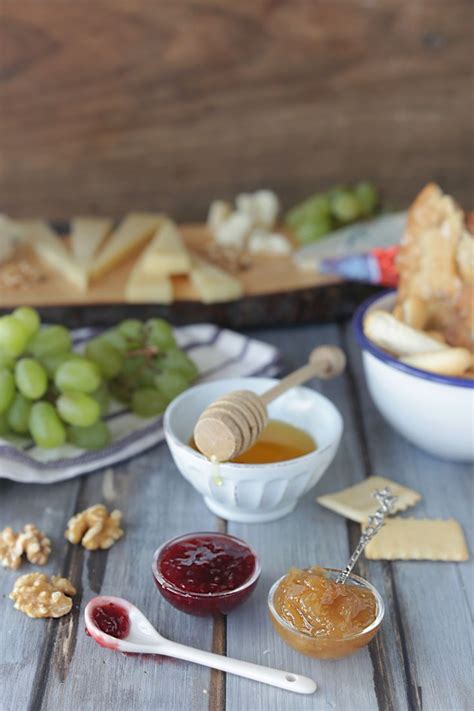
95, 528
30, 541
37, 596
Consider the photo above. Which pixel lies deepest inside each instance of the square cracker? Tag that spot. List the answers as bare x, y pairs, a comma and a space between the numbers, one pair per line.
418, 539
357, 502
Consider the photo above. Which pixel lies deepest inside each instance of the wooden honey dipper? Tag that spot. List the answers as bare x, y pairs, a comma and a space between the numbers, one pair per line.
234, 422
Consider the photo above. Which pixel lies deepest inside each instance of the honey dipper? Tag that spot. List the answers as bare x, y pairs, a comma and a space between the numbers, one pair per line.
234, 422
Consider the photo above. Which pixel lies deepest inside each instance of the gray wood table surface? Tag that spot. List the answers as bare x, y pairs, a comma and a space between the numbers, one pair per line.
420, 659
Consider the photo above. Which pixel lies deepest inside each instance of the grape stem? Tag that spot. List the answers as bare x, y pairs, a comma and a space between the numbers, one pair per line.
147, 351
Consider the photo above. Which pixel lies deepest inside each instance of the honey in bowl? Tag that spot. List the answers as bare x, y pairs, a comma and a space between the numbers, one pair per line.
322, 618
279, 442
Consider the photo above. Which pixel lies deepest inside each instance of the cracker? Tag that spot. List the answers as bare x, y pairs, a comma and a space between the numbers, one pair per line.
418, 539
357, 502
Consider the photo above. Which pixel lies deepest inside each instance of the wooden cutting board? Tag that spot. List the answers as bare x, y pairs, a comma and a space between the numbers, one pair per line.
264, 275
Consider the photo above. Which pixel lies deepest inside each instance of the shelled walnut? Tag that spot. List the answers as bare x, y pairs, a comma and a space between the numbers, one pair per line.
30, 541
11, 549
95, 528
38, 596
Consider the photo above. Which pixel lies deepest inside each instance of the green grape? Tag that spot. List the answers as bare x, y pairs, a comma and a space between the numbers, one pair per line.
6, 361
93, 437
146, 378
344, 206
177, 360
116, 339
171, 383
45, 426
132, 330
77, 408
7, 389
367, 197
120, 391
18, 414
13, 336
160, 334
310, 210
29, 318
50, 340
102, 397
107, 358
31, 378
312, 231
133, 369
52, 362
4, 428
79, 374
148, 402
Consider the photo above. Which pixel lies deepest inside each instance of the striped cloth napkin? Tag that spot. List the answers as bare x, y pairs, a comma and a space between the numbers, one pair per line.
218, 353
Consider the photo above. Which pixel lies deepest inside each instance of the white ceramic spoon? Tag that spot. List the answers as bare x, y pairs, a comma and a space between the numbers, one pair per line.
143, 638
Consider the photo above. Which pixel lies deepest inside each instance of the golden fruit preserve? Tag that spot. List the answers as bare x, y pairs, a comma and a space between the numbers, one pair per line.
323, 618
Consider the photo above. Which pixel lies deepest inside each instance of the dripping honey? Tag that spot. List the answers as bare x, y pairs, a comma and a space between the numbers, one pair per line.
278, 442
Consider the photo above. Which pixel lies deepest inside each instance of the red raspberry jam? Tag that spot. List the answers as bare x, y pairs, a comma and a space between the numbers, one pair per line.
112, 619
205, 573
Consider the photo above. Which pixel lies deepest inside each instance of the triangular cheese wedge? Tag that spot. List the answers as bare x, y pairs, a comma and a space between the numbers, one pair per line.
52, 250
134, 230
214, 284
166, 253
87, 234
142, 287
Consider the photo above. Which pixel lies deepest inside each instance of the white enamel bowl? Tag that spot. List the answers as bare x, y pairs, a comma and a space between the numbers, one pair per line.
253, 493
434, 412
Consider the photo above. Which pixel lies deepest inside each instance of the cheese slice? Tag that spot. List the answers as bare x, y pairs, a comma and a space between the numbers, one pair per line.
134, 230
52, 250
214, 284
166, 253
143, 287
87, 234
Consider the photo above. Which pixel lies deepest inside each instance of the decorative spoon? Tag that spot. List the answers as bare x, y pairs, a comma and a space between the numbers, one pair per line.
375, 523
233, 423
142, 638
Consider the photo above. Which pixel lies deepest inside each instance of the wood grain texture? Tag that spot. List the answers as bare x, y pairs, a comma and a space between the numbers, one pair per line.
110, 105
420, 658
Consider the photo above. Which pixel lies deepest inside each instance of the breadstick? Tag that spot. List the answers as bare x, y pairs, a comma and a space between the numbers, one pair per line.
450, 361
414, 312
398, 338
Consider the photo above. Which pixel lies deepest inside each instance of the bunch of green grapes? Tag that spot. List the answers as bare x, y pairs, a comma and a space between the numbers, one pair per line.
54, 395
142, 364
324, 212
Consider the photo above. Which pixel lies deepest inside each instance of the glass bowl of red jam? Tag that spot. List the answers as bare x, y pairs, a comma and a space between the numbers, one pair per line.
205, 573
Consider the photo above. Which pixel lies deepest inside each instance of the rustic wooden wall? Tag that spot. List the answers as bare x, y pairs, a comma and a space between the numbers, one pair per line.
109, 104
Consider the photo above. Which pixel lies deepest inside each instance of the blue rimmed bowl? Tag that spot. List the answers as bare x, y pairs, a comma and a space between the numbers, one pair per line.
434, 412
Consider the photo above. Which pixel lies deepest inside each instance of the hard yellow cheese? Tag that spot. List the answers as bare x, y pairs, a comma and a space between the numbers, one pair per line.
52, 250
142, 287
214, 284
87, 234
134, 230
166, 253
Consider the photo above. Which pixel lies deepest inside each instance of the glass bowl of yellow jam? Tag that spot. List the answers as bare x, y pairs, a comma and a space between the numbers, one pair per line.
321, 618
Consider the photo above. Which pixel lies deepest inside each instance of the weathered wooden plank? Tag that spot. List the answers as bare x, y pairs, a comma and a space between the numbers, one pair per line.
431, 600
128, 109
22, 639
309, 536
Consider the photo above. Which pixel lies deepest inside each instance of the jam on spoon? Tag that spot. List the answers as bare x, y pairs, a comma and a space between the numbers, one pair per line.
112, 619
205, 573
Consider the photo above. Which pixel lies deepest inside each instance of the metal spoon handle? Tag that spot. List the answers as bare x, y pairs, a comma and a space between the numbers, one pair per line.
375, 523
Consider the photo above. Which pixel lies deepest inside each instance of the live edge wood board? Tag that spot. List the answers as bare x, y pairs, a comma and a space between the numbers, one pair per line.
275, 292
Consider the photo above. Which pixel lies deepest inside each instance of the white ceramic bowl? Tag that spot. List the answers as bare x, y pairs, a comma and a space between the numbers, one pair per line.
254, 493
435, 412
